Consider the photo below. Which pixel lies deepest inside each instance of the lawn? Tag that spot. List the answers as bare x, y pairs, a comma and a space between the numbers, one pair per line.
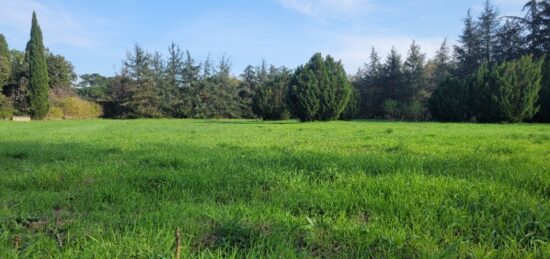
233, 188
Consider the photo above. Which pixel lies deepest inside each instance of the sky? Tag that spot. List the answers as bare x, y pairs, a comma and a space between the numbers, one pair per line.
96, 35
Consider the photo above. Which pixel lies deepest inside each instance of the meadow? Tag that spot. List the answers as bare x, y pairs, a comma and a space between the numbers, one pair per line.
238, 188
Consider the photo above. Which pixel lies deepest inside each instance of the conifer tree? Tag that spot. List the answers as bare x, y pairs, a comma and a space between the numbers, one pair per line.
393, 90
415, 76
448, 102
468, 52
38, 72
489, 23
319, 90
5, 62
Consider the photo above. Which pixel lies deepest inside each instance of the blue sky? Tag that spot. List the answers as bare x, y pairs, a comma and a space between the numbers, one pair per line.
95, 35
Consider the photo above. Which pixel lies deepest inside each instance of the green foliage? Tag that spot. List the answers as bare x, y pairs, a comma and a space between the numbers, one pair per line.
94, 87
468, 52
6, 108
507, 92
60, 71
391, 109
5, 63
252, 189
544, 100
38, 72
449, 101
143, 96
352, 109
76, 108
269, 100
319, 90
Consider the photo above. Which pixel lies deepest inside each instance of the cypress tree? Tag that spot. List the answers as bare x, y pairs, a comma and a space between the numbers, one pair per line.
319, 90
303, 91
5, 64
508, 91
519, 87
38, 72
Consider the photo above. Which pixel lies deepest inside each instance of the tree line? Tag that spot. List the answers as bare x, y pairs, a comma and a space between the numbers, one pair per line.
497, 72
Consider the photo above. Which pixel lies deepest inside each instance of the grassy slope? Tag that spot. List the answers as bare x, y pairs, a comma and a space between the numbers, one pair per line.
121, 188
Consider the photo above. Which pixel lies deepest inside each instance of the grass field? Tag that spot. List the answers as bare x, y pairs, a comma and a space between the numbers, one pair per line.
110, 189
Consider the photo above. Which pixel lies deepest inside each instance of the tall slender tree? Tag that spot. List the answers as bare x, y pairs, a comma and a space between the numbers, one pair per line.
5, 62
489, 23
468, 51
38, 72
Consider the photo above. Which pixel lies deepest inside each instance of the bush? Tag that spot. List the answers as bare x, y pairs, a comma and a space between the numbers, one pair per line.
74, 108
6, 108
55, 113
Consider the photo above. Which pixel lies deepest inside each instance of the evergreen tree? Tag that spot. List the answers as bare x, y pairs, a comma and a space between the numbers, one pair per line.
415, 89
510, 41
335, 94
534, 22
440, 67
519, 87
144, 99
393, 83
468, 52
38, 72
319, 90
269, 100
489, 23
368, 84
5, 63
508, 91
448, 102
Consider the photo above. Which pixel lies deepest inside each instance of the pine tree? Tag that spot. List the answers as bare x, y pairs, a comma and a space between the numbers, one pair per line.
144, 99
415, 90
5, 63
489, 24
367, 82
510, 41
441, 66
38, 72
534, 22
468, 52
393, 83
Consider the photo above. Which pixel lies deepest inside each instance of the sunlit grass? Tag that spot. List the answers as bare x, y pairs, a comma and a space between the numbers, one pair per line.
285, 189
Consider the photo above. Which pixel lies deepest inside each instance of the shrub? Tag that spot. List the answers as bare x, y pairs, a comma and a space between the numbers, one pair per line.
55, 113
72, 107
76, 108
6, 108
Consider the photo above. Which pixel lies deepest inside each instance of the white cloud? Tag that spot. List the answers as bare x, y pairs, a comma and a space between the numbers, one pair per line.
324, 8
58, 25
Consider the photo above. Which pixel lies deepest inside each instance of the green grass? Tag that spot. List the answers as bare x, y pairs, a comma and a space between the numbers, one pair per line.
109, 189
